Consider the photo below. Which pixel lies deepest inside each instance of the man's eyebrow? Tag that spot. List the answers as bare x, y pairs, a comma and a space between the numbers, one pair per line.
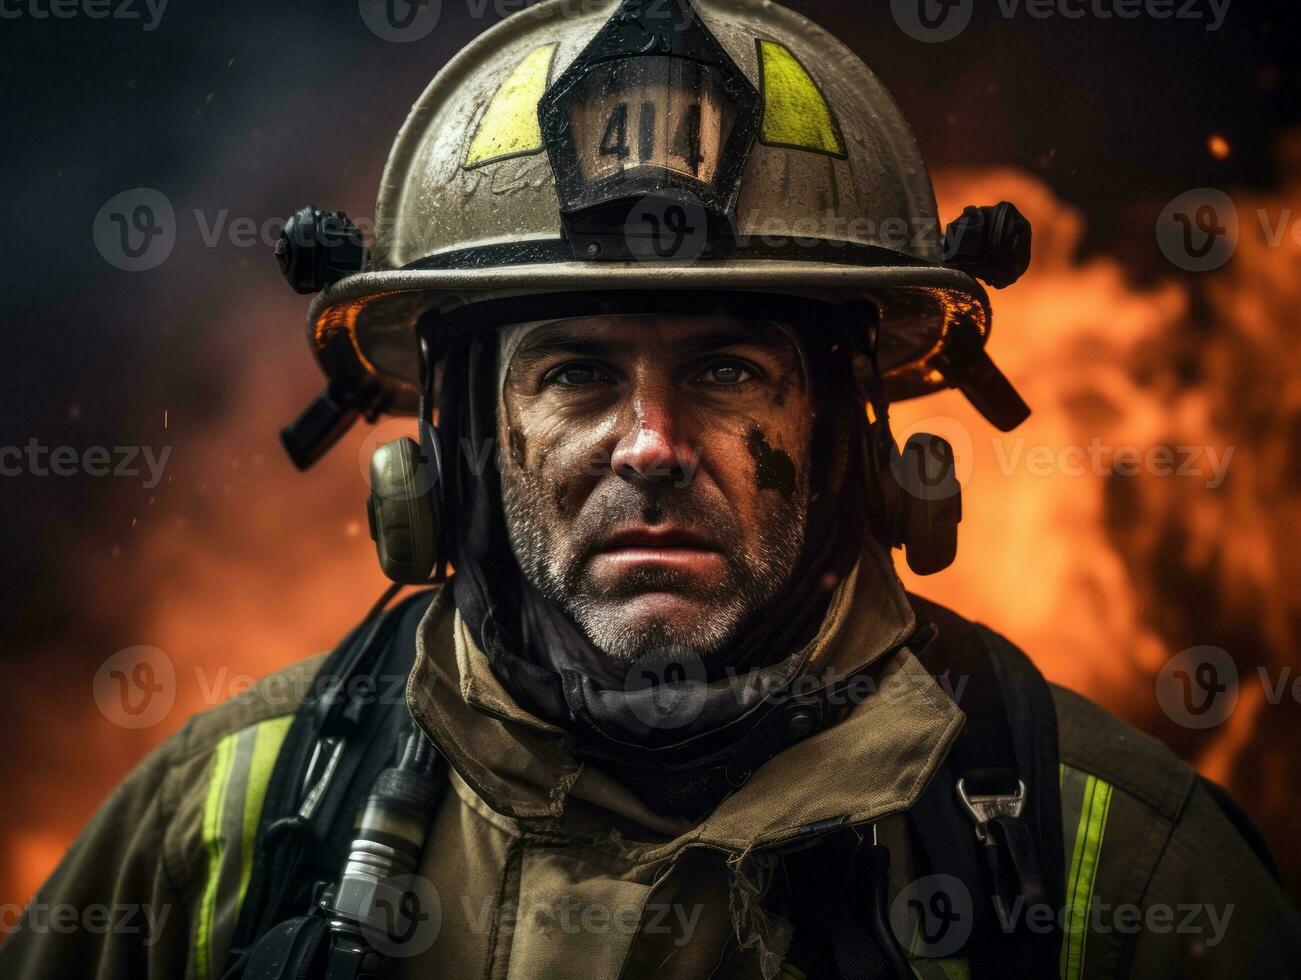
567, 344
758, 339
765, 341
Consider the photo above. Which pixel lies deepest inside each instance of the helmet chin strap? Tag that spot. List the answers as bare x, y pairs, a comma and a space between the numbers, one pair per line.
406, 492
427, 431
861, 326
914, 498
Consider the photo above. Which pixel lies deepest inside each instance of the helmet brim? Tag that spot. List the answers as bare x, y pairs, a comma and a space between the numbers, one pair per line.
364, 327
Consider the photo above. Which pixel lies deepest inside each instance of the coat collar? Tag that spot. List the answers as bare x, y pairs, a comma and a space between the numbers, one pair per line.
874, 762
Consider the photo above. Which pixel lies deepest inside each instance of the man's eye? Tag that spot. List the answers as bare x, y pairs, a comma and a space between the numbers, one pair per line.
576, 375
726, 373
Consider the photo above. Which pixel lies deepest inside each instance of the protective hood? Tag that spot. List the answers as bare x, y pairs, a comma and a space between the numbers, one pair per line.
553, 670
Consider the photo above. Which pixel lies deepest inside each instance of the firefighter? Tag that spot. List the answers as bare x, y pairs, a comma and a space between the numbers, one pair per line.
649, 273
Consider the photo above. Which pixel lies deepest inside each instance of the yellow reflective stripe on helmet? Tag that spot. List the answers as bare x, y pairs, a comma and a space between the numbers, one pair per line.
795, 112
1086, 802
509, 126
237, 786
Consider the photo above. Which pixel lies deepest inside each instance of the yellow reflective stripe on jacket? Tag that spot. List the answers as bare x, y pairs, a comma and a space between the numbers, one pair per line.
237, 787
1086, 801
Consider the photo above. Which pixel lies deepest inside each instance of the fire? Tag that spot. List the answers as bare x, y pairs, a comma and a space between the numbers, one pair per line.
1034, 556
1101, 576
244, 565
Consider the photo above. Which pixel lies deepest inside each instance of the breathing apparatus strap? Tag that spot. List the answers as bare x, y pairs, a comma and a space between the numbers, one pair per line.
343, 736
992, 816
861, 323
1007, 860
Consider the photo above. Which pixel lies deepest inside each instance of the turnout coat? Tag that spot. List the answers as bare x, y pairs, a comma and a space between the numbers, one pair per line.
546, 868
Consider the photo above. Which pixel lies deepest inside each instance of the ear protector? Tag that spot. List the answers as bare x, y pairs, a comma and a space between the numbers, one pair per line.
914, 498
405, 508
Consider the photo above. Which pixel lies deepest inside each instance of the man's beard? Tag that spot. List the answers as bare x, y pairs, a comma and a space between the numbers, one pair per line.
755, 573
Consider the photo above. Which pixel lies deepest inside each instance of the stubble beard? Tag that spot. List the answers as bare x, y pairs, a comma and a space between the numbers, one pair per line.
757, 568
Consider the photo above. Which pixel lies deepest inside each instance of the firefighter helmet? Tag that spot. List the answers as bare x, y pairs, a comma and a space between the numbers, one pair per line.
596, 148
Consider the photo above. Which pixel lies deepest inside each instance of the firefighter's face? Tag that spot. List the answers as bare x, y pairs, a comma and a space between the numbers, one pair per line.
656, 473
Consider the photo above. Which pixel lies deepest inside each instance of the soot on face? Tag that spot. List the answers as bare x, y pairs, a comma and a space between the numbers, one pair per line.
517, 446
560, 494
773, 468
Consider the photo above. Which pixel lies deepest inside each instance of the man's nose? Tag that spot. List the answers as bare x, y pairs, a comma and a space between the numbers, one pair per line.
649, 452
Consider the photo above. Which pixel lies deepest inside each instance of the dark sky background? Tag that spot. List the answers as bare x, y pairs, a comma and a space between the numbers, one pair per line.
241, 109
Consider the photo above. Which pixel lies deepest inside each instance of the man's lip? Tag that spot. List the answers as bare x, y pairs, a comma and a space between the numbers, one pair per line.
657, 538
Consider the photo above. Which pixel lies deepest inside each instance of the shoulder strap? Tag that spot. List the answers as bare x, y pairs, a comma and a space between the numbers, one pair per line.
343, 735
1242, 823
992, 815
1003, 843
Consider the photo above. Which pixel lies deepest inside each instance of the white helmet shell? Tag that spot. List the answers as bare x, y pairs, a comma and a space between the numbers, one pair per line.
833, 200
